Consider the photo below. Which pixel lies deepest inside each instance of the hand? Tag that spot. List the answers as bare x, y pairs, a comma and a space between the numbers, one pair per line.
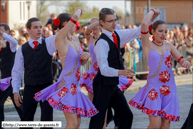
17, 99
186, 64
85, 56
127, 72
77, 13
157, 13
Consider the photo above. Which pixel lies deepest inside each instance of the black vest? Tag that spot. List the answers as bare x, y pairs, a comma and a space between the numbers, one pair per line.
7, 60
37, 64
114, 60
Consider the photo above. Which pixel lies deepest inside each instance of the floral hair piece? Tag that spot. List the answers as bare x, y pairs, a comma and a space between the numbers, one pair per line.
56, 22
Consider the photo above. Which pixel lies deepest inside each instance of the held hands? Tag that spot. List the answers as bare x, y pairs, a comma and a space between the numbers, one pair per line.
17, 99
186, 64
85, 56
77, 14
127, 72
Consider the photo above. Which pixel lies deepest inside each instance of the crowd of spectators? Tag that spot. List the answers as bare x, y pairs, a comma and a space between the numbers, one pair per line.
181, 37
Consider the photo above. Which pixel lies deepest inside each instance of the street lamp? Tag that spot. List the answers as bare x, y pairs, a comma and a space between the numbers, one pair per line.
28, 2
3, 2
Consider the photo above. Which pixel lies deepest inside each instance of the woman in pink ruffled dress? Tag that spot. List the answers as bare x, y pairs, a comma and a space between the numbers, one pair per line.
86, 80
158, 98
65, 94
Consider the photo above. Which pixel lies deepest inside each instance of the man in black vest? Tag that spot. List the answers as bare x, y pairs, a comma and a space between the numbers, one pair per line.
35, 56
106, 91
7, 56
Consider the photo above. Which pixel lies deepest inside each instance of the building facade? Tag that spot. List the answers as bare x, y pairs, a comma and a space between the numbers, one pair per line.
16, 13
173, 12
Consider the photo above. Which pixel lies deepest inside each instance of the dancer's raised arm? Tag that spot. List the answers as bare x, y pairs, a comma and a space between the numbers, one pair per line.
94, 23
61, 40
145, 30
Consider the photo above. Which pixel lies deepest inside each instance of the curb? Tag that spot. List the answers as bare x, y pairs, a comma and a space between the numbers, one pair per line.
9, 108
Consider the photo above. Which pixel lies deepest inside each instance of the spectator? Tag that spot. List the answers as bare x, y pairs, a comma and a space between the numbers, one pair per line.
12, 33
129, 26
123, 27
189, 43
83, 43
176, 28
83, 29
177, 36
184, 31
171, 37
27, 37
45, 29
49, 33
181, 38
21, 41
52, 17
22, 31
49, 26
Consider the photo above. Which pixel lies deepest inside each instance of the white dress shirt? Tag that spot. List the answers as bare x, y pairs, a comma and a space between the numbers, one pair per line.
101, 49
17, 71
12, 42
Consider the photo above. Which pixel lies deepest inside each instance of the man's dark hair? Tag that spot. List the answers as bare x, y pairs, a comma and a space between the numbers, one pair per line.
104, 12
6, 27
29, 22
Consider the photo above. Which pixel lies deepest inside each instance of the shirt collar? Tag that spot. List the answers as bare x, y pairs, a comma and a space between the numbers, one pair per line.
31, 41
106, 32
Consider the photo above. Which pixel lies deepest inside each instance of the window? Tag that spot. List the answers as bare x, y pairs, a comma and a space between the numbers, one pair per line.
22, 11
162, 16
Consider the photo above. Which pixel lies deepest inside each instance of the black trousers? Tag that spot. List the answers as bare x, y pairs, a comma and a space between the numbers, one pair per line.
3, 98
30, 104
110, 116
105, 95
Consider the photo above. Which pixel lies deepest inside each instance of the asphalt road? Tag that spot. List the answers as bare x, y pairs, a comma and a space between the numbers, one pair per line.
140, 121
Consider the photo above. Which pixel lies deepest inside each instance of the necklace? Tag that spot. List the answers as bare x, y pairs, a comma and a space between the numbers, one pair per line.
158, 44
70, 39
95, 38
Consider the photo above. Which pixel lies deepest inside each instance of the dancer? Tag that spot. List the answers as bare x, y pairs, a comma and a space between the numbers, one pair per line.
36, 57
107, 50
65, 94
158, 98
7, 55
86, 80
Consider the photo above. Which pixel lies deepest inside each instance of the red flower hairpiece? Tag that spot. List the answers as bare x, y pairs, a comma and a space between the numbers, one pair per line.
56, 22
149, 28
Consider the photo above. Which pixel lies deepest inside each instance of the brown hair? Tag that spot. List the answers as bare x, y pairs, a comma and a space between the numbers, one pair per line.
155, 25
63, 17
104, 12
28, 24
12, 31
